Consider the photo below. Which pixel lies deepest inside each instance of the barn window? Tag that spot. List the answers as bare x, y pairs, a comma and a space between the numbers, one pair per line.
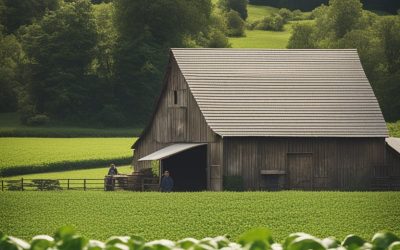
175, 97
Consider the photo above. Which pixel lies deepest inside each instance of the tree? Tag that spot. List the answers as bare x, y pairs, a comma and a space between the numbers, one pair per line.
285, 14
272, 22
239, 6
61, 48
302, 37
344, 15
25, 12
343, 24
11, 55
147, 29
389, 32
235, 24
103, 64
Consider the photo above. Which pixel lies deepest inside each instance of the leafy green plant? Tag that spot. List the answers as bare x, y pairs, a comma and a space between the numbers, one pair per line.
198, 214
258, 239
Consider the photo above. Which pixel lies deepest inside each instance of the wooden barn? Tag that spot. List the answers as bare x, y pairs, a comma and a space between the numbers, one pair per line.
265, 119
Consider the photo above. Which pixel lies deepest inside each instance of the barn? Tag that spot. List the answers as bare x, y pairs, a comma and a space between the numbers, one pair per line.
265, 119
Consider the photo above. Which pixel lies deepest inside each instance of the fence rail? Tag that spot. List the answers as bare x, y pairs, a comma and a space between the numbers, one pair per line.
108, 183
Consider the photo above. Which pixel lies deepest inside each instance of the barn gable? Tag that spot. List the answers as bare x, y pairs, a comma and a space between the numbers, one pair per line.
176, 119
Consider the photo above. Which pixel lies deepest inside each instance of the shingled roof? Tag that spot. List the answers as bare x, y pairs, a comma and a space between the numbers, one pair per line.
252, 92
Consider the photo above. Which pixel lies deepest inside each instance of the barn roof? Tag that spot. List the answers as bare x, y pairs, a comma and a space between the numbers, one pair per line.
253, 92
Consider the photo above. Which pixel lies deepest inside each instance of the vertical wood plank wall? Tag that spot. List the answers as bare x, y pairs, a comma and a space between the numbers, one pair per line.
338, 163
392, 163
181, 122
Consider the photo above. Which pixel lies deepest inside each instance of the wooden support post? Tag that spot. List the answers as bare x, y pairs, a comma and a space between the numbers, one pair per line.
84, 184
22, 184
67, 184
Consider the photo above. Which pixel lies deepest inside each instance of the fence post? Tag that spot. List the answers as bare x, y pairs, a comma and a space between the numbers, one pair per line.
84, 184
67, 184
22, 184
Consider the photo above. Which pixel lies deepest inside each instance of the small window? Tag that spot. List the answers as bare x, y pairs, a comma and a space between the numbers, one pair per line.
175, 97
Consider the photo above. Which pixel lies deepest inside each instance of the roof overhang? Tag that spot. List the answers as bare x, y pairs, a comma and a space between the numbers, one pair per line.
394, 143
169, 151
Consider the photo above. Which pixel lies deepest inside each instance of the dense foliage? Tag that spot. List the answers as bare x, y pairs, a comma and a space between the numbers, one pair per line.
235, 24
67, 239
102, 64
155, 215
239, 6
307, 5
344, 24
34, 155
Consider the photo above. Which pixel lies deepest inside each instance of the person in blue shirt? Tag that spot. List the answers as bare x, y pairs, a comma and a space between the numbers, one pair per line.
166, 182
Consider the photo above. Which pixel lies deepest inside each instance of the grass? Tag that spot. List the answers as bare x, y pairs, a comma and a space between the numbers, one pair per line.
261, 39
173, 216
10, 126
257, 12
265, 39
30, 155
394, 128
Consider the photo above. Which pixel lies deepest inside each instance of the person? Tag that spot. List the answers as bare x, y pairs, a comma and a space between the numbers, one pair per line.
167, 183
112, 170
110, 181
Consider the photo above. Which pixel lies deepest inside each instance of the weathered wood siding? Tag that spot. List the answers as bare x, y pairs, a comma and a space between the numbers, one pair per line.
181, 122
392, 160
336, 163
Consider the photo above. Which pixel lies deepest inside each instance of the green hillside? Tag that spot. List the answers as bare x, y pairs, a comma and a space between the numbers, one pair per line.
261, 38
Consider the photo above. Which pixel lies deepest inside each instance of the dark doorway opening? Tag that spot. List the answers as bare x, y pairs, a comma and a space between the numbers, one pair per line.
188, 169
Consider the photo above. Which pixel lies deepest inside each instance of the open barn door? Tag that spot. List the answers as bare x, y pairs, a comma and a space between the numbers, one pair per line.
187, 164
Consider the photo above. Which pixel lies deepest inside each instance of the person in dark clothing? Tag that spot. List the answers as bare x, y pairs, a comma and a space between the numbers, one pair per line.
112, 170
110, 181
166, 183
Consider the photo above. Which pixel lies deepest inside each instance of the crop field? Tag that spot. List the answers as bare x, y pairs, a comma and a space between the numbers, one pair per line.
153, 215
30, 155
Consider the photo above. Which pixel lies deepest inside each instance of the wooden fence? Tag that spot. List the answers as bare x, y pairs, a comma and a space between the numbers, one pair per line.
106, 184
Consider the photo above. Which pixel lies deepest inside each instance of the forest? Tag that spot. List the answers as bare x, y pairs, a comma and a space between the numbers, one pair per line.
102, 63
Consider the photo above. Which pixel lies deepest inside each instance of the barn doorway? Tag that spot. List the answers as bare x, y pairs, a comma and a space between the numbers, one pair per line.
188, 169
300, 170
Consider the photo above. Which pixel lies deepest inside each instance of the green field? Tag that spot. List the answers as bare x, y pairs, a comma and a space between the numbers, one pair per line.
261, 38
99, 215
93, 173
29, 155
257, 12
10, 126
